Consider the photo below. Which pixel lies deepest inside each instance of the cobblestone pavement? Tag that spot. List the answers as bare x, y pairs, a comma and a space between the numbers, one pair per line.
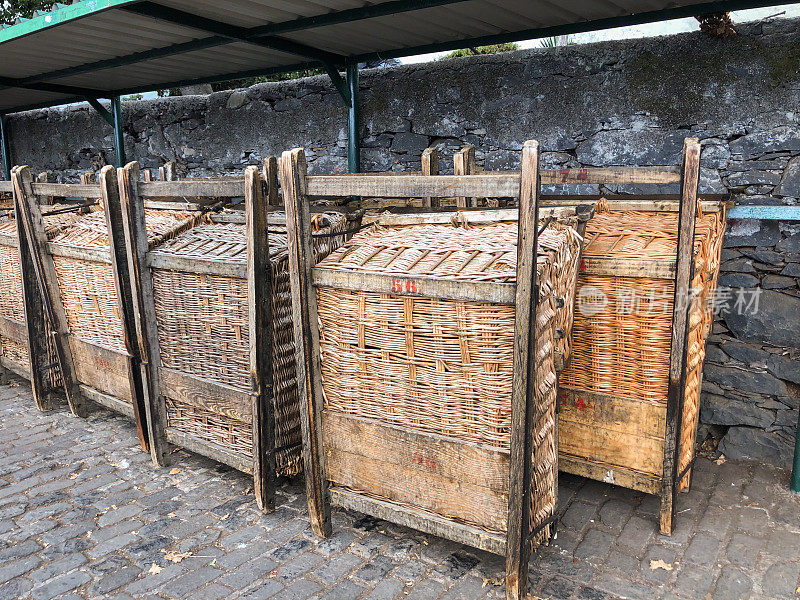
83, 514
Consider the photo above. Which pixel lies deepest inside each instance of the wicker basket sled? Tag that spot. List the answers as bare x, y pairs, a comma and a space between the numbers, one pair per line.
84, 271
629, 400
215, 307
426, 373
17, 331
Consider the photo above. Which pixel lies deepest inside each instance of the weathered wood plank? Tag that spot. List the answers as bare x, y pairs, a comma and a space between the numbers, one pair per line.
475, 464
649, 484
144, 312
425, 286
102, 255
503, 185
259, 310
464, 164
638, 203
6, 187
611, 175
468, 215
612, 413
107, 401
524, 383
109, 188
690, 180
30, 217
212, 451
101, 368
430, 166
190, 189
270, 175
653, 268
206, 394
172, 262
15, 368
306, 335
72, 190
421, 521
13, 330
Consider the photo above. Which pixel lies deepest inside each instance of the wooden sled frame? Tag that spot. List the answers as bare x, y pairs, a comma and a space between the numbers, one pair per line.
297, 188
159, 381
680, 271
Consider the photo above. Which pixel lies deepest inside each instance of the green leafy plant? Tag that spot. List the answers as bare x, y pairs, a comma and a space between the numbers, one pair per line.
492, 49
11, 10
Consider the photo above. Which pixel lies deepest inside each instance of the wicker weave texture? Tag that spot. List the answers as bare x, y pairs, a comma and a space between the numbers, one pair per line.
88, 289
203, 329
439, 366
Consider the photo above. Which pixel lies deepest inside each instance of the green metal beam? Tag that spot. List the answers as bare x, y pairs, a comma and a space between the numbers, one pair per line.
6, 147
101, 110
353, 126
231, 32
55, 88
338, 82
119, 137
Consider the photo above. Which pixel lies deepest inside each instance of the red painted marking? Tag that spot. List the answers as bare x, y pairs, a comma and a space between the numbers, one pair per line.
564, 175
583, 175
409, 286
583, 266
103, 363
581, 404
419, 459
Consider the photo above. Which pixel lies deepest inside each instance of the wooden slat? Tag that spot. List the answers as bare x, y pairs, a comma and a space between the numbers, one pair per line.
690, 180
109, 188
30, 217
212, 451
133, 221
72, 190
8, 240
479, 465
430, 166
524, 381
176, 204
643, 203
419, 520
259, 311
306, 335
6, 187
611, 175
13, 330
270, 174
650, 484
91, 254
193, 188
464, 164
654, 268
424, 286
503, 185
109, 402
173, 262
15, 368
472, 216
612, 413
105, 370
206, 394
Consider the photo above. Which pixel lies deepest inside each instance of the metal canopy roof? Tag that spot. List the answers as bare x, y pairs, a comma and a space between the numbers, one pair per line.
104, 48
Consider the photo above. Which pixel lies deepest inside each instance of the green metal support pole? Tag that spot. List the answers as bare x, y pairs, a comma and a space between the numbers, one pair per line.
119, 138
6, 147
353, 128
796, 470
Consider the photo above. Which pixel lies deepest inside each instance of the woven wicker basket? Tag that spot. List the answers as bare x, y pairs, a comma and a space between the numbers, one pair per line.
622, 349
87, 287
203, 331
11, 302
435, 366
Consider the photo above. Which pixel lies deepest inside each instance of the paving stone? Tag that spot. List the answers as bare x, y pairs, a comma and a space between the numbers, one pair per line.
624, 587
743, 549
733, 584
702, 549
615, 513
298, 566
637, 533
578, 515
336, 543
780, 580
693, 581
299, 590
389, 589
559, 587
249, 572
425, 590
60, 585
114, 580
184, 584
655, 554
595, 545
59, 567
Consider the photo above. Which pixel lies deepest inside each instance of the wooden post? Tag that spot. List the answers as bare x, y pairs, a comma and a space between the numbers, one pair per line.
144, 311
270, 174
676, 390
30, 217
169, 172
109, 188
464, 164
147, 176
34, 318
259, 297
306, 335
523, 391
430, 166
44, 177
87, 179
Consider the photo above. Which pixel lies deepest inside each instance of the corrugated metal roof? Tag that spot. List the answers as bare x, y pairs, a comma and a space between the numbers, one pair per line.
103, 48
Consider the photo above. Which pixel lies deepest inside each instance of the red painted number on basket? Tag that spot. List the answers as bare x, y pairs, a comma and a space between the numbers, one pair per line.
578, 402
103, 363
409, 286
580, 175
426, 461
583, 266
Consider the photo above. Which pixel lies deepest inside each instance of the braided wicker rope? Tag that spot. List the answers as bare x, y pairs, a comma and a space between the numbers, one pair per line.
203, 331
439, 366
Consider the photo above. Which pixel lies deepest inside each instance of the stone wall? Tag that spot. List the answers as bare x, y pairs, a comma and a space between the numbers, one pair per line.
614, 103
